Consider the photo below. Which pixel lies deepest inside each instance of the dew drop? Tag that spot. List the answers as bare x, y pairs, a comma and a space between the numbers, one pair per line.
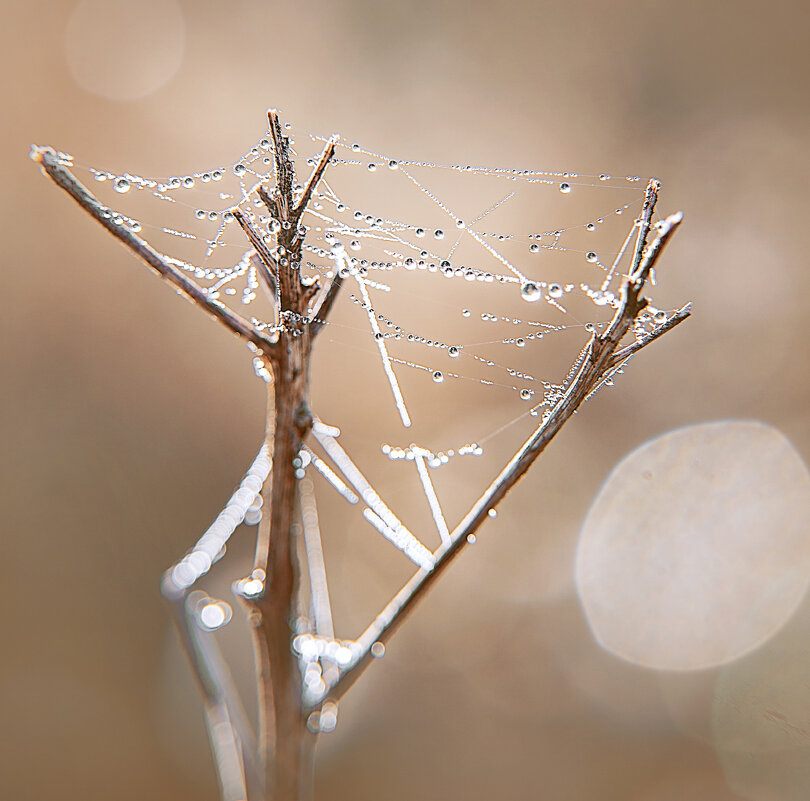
121, 185
591, 256
591, 226
188, 182
565, 188
525, 394
372, 166
534, 247
493, 513
453, 352
438, 233
465, 312
438, 376
521, 343
471, 539
604, 177
555, 291
393, 164
530, 292
378, 650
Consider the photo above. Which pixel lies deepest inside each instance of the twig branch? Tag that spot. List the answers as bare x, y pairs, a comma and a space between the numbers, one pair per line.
314, 179
677, 318
321, 311
598, 360
50, 162
232, 740
321, 607
266, 263
285, 175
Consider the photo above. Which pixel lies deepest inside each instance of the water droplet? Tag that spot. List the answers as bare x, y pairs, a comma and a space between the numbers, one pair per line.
591, 226
493, 513
471, 539
420, 232
555, 291
378, 650
453, 352
525, 394
438, 233
565, 188
534, 247
438, 376
393, 164
214, 615
121, 185
530, 292
459, 223
354, 244
604, 177
465, 312
521, 343
591, 256
372, 166
188, 182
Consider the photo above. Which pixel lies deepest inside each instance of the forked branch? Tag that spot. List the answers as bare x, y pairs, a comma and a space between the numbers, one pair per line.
277, 766
602, 355
56, 170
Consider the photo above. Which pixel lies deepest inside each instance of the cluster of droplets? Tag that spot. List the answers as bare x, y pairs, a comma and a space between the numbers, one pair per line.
405, 245
434, 460
243, 506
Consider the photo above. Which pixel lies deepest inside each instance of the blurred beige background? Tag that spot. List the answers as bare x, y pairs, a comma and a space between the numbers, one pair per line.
127, 417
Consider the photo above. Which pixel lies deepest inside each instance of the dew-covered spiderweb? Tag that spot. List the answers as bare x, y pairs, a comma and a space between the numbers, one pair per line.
468, 296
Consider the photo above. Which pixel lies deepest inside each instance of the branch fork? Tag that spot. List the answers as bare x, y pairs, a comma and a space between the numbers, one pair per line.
278, 767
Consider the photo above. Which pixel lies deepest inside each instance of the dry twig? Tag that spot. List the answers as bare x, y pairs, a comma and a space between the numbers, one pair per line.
279, 767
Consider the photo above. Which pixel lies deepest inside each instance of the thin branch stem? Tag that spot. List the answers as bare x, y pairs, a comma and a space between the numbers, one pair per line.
232, 740
677, 318
598, 361
321, 311
268, 266
50, 162
314, 179
321, 607
285, 173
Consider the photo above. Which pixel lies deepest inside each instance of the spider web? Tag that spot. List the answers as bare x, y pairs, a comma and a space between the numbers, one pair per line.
468, 294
